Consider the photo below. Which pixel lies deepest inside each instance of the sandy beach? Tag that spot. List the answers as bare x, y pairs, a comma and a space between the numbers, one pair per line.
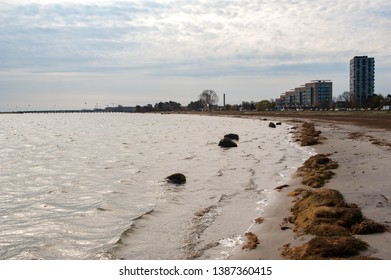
362, 150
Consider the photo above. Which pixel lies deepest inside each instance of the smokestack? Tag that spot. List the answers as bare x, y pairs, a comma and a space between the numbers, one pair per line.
224, 99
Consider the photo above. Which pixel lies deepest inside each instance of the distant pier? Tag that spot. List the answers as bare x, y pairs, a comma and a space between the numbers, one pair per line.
118, 109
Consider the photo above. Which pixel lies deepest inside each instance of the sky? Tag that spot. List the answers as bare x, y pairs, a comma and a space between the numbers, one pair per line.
68, 54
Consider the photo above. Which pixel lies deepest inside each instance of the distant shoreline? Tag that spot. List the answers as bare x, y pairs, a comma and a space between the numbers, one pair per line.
374, 119
371, 119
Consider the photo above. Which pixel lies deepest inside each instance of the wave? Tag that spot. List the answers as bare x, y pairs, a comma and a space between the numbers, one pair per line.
110, 252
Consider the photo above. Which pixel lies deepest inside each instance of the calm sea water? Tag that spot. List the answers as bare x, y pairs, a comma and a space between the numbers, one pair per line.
91, 186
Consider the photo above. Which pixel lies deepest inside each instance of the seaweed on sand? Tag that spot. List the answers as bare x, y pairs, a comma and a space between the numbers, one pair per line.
325, 214
317, 170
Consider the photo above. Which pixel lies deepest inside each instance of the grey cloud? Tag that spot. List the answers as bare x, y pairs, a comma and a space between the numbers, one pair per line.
186, 35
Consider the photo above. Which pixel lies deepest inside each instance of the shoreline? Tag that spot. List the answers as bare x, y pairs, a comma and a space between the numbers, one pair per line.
363, 154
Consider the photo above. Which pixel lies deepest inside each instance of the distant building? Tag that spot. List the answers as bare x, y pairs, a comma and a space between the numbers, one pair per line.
318, 94
362, 79
281, 102
290, 99
299, 97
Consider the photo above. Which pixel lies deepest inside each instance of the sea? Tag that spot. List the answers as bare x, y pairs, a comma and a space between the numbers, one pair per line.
92, 185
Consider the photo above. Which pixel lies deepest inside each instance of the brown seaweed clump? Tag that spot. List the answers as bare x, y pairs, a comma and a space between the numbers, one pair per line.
368, 227
308, 135
252, 241
325, 214
317, 170
327, 247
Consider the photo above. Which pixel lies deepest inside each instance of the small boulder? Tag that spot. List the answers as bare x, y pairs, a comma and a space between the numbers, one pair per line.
227, 143
177, 178
232, 136
279, 123
273, 125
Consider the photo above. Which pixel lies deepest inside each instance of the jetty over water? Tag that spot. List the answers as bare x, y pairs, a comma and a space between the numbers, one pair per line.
119, 109
54, 112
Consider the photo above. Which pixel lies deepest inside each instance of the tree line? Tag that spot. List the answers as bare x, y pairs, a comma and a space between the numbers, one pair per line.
207, 101
376, 101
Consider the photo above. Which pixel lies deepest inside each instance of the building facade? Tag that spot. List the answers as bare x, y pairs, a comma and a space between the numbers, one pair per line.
317, 94
320, 93
362, 79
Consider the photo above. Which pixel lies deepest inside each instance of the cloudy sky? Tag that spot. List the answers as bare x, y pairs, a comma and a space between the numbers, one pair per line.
76, 53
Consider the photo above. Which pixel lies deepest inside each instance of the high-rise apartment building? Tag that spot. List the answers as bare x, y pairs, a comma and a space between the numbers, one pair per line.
362, 79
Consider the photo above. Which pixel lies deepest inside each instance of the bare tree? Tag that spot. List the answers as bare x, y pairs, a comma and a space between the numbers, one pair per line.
209, 98
345, 98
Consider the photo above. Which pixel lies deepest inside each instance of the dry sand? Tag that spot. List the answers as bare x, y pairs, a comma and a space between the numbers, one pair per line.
363, 153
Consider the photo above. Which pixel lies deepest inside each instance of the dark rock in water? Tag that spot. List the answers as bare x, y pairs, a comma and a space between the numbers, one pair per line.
177, 178
232, 136
279, 123
227, 143
271, 124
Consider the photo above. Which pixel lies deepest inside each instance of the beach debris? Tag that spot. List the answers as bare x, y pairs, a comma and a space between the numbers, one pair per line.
316, 170
176, 178
252, 241
368, 227
325, 214
326, 247
259, 220
232, 136
297, 192
308, 135
227, 143
287, 223
279, 188
272, 125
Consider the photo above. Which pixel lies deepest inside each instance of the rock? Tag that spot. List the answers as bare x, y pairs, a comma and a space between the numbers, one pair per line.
227, 143
177, 178
232, 136
271, 124
279, 123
